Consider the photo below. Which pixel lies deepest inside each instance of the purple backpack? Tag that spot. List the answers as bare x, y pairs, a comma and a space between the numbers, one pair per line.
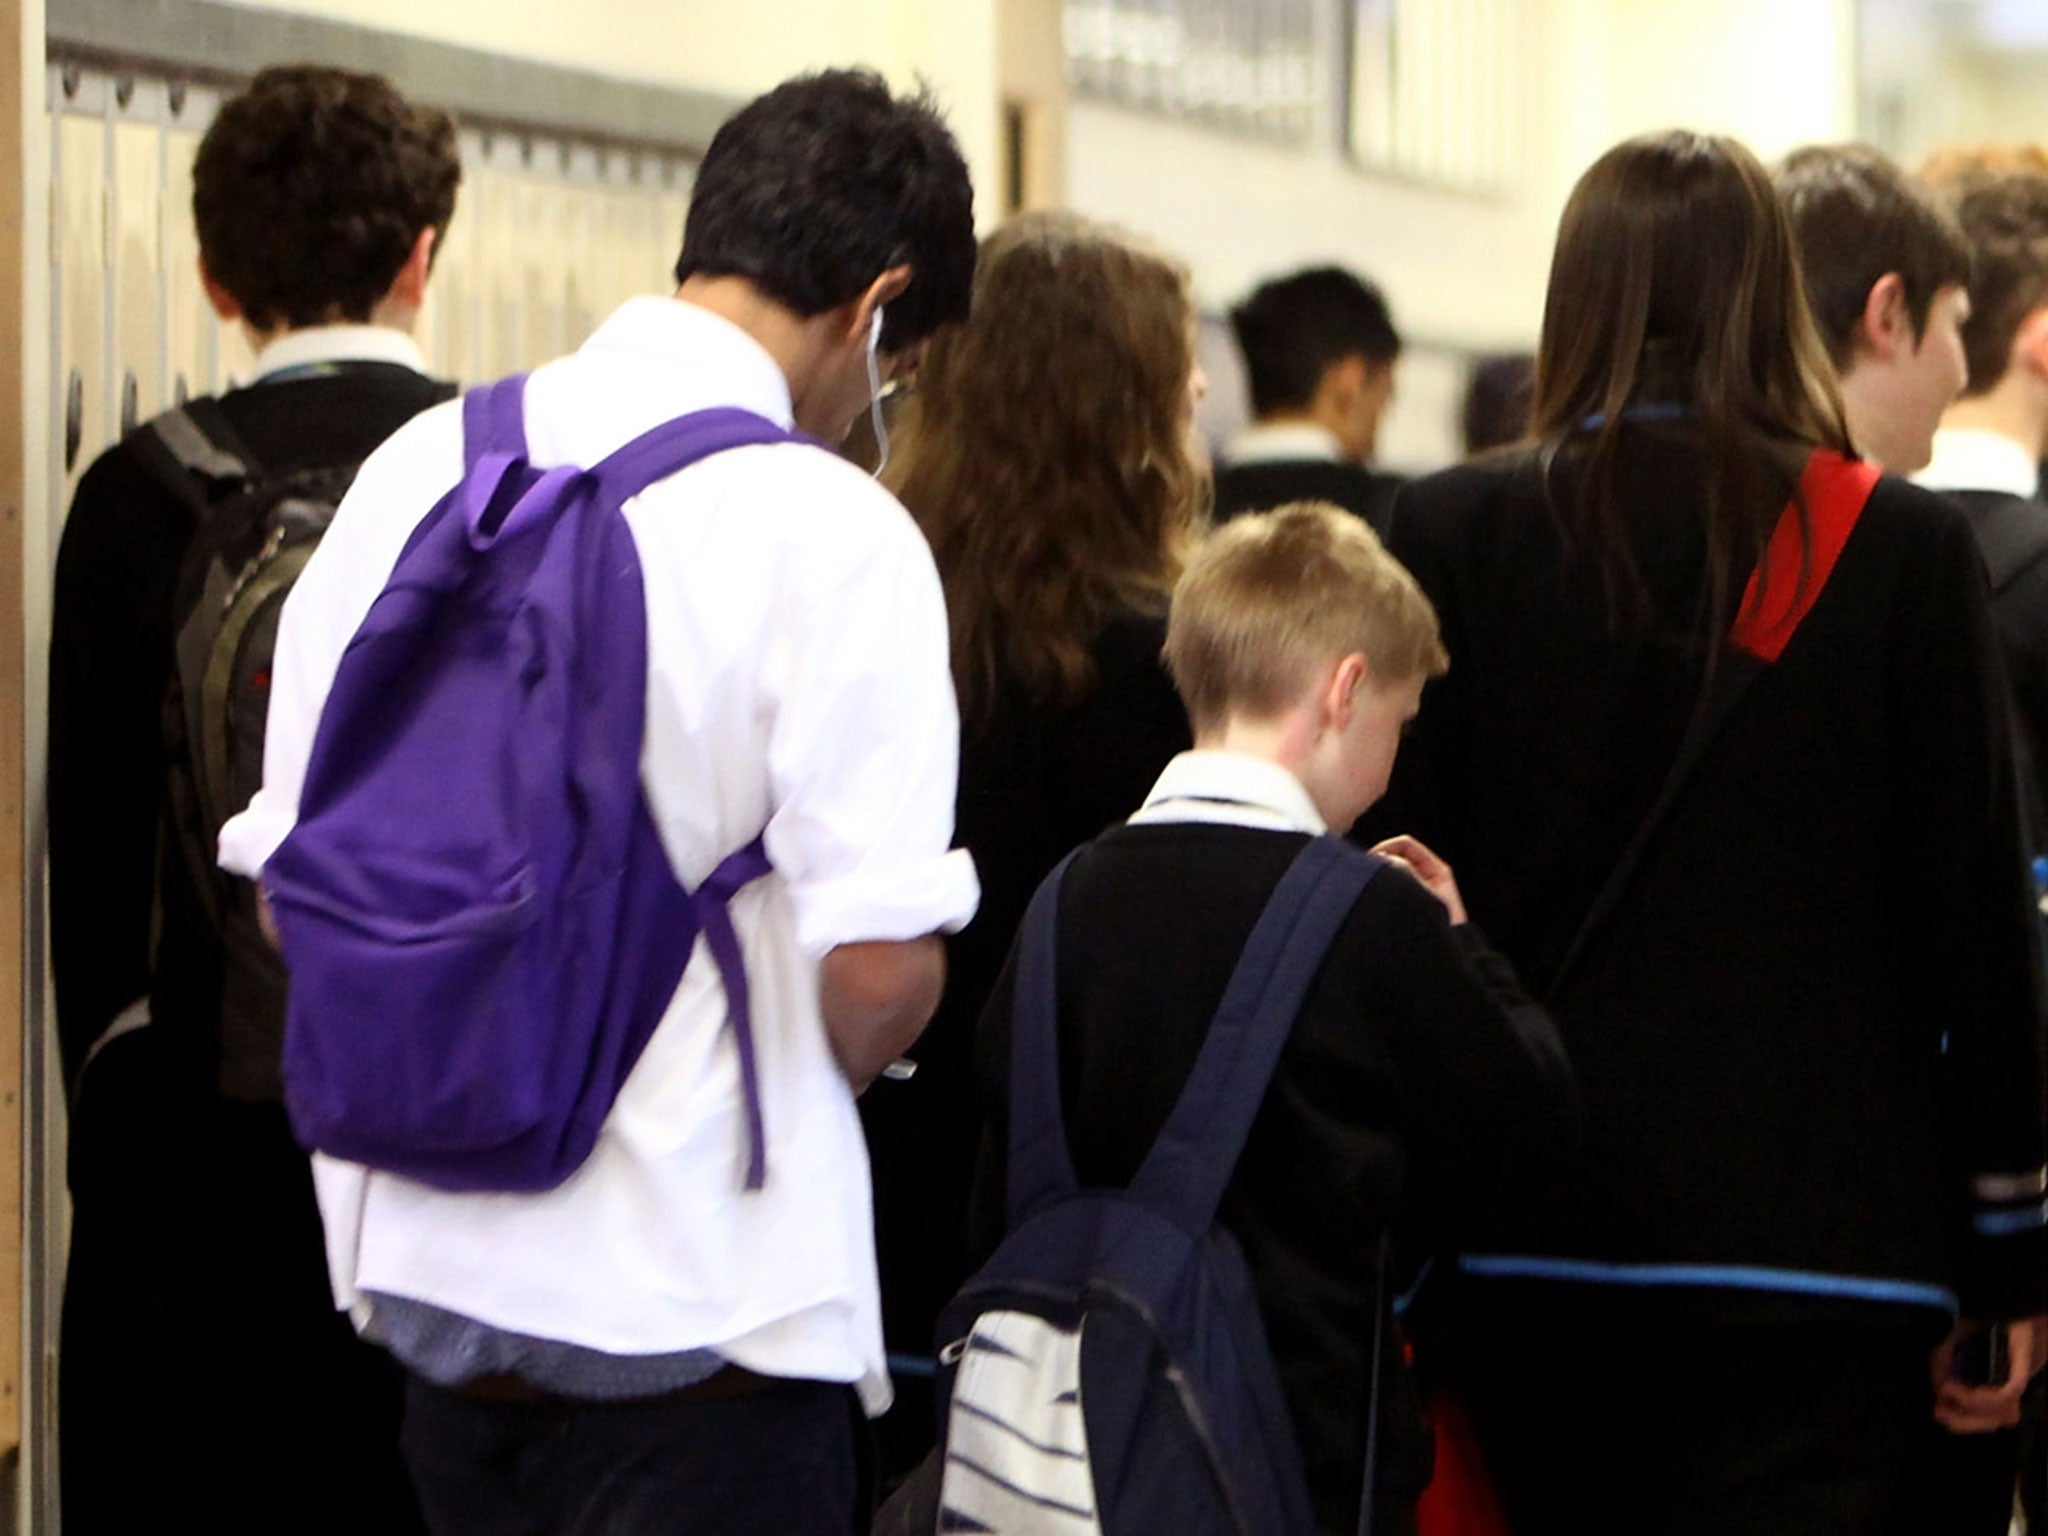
480, 922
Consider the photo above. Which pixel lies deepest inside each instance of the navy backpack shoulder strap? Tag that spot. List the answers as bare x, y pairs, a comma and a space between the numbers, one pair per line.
1038, 1165
1189, 1167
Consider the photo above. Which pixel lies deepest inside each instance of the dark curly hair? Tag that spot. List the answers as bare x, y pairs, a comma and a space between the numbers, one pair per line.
817, 188
311, 188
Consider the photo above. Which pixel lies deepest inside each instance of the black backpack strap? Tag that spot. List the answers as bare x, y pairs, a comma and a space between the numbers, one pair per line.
1039, 1167
1790, 577
1734, 672
1189, 1167
194, 452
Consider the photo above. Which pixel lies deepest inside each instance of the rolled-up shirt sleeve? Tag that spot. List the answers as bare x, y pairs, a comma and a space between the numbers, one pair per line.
863, 754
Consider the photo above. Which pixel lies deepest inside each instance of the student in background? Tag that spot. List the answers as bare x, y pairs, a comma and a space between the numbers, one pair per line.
650, 1346
1987, 459
1046, 456
1887, 276
1496, 410
1319, 353
1988, 453
1807, 1056
207, 1384
1418, 1086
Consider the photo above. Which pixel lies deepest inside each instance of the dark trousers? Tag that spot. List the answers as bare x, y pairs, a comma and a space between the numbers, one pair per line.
786, 1461
1767, 1430
1970, 1483
206, 1383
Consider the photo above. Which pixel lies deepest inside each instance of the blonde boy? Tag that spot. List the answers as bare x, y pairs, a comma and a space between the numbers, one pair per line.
1297, 639
1416, 1078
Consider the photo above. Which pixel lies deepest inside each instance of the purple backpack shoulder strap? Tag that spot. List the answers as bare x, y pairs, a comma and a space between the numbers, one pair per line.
494, 421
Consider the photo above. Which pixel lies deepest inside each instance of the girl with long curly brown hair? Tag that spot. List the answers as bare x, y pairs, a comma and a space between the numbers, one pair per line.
1047, 453
1047, 456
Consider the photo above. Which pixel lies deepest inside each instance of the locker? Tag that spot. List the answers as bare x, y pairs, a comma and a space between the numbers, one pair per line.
452, 342
584, 206
501, 339
543, 280
84, 268
190, 318
139, 293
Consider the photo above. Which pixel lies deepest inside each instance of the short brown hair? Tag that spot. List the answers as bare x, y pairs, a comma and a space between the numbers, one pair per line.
1273, 596
311, 188
1999, 194
1858, 217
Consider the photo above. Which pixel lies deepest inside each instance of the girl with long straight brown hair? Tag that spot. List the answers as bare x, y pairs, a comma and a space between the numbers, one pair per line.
1722, 763
1046, 455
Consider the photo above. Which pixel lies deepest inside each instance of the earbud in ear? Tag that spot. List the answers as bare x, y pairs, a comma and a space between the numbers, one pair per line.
875, 330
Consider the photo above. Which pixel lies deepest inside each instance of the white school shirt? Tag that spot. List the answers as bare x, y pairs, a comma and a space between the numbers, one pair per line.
797, 678
1971, 459
1232, 789
316, 344
1284, 442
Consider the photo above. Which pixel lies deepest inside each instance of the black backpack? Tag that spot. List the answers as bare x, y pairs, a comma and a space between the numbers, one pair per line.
1106, 1373
253, 533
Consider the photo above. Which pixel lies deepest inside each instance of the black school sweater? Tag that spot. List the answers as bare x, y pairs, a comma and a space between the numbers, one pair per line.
1419, 1089
1265, 484
1806, 1039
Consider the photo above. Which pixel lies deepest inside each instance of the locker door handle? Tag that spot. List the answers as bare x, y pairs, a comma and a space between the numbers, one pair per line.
74, 419
129, 403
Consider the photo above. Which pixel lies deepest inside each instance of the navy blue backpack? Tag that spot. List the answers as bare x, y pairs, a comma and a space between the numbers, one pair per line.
1106, 1373
481, 925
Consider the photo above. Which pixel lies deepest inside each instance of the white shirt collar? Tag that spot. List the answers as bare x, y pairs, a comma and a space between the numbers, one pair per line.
340, 344
1971, 459
1233, 789
672, 330
1282, 441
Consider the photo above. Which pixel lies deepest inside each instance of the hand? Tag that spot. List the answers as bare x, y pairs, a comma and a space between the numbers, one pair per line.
1979, 1410
1431, 872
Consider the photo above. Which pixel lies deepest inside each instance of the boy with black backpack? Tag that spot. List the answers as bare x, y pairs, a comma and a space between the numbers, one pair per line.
206, 1383
1283, 1049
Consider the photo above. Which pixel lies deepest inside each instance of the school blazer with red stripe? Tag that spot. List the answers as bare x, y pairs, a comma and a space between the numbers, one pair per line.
1806, 1036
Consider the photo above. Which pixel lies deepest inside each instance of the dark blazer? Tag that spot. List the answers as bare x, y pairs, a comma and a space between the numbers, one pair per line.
2012, 534
1806, 1038
1260, 487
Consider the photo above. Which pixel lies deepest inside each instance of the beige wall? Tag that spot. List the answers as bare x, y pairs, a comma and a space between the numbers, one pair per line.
1469, 270
1777, 73
736, 49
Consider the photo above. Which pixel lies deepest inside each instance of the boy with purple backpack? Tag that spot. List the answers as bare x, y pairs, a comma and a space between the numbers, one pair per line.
634, 1287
